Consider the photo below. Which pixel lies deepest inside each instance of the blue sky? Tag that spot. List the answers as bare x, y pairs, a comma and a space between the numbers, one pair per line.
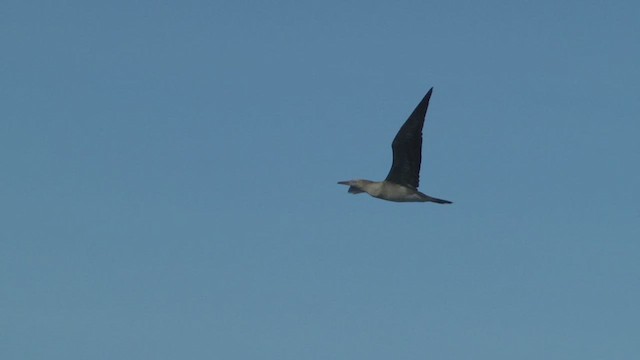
169, 171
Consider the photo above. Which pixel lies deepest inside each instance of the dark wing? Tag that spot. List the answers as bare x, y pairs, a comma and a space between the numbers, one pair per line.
407, 147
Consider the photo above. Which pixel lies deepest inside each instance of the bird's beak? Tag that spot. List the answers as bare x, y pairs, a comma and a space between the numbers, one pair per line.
345, 182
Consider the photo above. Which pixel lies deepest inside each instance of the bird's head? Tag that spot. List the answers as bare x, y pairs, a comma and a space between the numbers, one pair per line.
356, 186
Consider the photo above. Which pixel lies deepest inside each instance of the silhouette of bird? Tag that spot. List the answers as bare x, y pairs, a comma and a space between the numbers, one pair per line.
401, 184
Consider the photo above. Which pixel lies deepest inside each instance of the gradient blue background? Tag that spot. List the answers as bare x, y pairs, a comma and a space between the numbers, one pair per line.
168, 185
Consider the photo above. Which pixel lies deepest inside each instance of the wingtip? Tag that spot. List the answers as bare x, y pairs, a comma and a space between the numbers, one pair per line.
428, 95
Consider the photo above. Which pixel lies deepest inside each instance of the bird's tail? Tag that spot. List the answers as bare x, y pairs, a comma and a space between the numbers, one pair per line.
436, 200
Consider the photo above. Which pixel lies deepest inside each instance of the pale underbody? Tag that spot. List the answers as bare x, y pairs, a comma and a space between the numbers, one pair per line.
390, 191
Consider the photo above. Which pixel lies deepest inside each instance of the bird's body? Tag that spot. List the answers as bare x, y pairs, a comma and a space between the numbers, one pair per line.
388, 190
401, 184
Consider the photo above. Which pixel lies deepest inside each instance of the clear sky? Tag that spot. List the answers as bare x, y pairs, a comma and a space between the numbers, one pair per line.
168, 185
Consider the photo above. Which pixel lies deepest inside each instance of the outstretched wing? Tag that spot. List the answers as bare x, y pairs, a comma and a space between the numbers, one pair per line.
407, 147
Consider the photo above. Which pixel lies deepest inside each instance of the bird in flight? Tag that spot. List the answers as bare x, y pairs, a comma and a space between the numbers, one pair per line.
401, 184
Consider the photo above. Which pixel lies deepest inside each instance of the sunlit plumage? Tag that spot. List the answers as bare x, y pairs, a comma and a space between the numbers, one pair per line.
401, 184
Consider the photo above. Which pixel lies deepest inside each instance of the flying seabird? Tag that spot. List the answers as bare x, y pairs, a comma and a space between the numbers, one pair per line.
401, 185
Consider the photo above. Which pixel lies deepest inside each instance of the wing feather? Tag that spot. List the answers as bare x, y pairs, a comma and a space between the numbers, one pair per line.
407, 147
